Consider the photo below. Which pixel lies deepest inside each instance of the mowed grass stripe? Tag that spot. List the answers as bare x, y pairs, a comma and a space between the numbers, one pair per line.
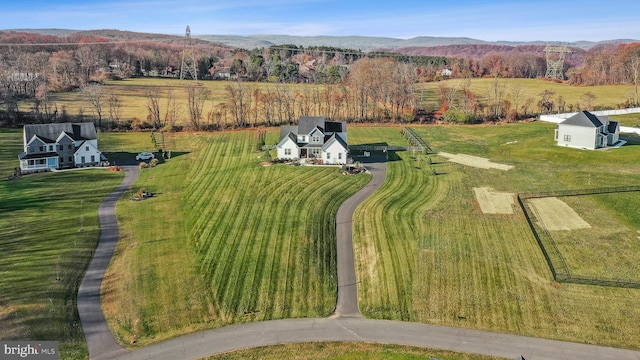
243, 200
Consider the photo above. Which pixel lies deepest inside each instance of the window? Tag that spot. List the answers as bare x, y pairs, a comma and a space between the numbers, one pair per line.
86, 148
93, 158
41, 148
70, 158
339, 156
287, 151
316, 139
328, 155
82, 159
61, 147
70, 147
304, 138
50, 147
567, 138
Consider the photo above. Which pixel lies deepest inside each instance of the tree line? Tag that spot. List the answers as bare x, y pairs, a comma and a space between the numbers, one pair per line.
368, 86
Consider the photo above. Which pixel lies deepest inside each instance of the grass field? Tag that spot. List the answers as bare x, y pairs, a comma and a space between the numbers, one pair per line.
345, 351
132, 95
605, 96
610, 247
227, 241
49, 232
426, 253
253, 243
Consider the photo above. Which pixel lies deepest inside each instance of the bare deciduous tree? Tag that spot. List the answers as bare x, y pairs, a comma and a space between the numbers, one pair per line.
95, 95
196, 98
153, 106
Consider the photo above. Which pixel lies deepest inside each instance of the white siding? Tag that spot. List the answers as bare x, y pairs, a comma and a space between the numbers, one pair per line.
86, 155
288, 144
577, 136
337, 154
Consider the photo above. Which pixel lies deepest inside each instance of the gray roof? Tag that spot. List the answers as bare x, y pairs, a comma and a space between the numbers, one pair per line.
583, 118
306, 124
285, 130
333, 139
77, 131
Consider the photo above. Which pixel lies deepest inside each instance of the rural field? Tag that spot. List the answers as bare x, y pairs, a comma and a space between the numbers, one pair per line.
49, 232
253, 243
605, 96
133, 99
426, 252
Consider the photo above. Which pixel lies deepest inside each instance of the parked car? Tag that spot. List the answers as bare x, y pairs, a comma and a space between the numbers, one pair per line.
145, 156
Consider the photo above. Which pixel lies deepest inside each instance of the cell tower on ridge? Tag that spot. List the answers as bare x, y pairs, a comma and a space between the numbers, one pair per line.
555, 61
188, 66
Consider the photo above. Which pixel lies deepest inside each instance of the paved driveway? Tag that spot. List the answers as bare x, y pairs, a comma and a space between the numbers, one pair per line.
347, 324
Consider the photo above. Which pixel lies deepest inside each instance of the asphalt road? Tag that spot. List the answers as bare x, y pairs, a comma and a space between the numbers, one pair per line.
346, 324
101, 342
347, 304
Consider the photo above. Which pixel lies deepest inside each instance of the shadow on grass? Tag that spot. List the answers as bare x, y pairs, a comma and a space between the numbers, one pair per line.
128, 158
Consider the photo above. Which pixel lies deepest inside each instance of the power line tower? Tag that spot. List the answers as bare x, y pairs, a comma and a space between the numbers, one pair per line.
188, 66
555, 61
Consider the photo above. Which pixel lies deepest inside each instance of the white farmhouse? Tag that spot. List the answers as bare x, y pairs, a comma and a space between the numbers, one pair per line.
314, 137
587, 131
59, 146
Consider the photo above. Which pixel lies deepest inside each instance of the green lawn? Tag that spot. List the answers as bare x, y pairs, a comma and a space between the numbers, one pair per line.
10, 148
425, 252
253, 243
49, 232
346, 351
227, 241
610, 248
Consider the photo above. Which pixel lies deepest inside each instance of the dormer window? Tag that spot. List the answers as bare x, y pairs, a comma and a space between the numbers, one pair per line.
304, 138
316, 139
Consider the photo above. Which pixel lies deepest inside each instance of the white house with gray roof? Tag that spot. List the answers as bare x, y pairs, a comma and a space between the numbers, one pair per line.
314, 137
587, 131
59, 146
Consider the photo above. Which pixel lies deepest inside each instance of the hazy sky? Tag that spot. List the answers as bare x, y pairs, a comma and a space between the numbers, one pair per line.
512, 20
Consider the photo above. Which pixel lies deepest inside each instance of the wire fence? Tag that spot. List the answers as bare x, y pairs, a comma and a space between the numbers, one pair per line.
414, 139
556, 262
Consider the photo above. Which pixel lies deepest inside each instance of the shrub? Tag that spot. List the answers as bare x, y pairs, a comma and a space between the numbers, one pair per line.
154, 162
143, 165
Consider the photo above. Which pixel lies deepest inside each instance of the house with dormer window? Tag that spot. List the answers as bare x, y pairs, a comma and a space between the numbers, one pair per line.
314, 138
59, 146
585, 130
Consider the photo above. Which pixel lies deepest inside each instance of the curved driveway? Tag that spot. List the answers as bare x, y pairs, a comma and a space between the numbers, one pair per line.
99, 338
347, 324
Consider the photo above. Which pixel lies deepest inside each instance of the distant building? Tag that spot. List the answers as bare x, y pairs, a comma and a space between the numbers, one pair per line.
59, 146
314, 137
587, 131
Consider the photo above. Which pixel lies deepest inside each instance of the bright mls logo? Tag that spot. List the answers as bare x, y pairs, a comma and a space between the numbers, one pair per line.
40, 350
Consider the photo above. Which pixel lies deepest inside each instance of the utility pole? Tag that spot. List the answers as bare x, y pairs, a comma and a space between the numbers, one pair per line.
188, 66
555, 61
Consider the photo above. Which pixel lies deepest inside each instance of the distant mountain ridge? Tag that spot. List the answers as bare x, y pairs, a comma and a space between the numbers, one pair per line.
368, 43
364, 43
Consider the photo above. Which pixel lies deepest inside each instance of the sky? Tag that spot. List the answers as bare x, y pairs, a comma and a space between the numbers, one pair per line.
494, 20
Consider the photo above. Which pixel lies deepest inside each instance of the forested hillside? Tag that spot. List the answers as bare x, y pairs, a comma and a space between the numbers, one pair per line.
32, 66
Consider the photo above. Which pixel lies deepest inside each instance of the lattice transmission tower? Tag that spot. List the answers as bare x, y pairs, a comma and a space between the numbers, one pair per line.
555, 61
188, 66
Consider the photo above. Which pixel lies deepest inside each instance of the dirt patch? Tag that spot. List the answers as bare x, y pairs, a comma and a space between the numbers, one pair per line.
475, 161
493, 202
555, 214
